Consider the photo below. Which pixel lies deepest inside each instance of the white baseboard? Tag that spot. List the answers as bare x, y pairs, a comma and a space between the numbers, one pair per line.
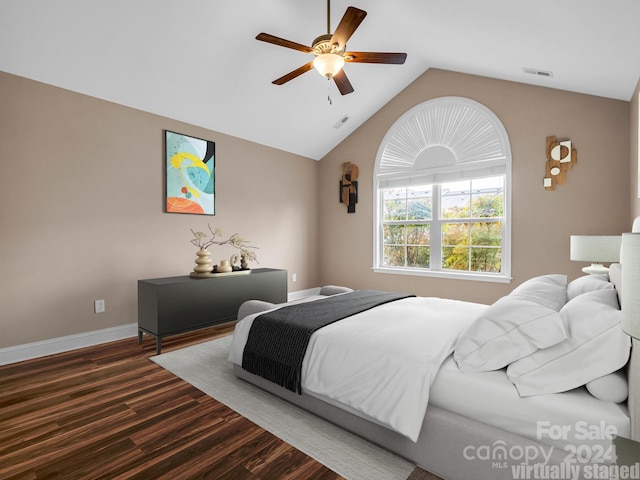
303, 293
28, 351
64, 344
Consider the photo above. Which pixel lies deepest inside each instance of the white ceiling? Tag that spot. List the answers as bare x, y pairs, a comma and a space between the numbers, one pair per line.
198, 61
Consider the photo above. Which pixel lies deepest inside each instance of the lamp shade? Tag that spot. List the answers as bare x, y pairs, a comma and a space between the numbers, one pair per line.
631, 284
595, 249
328, 64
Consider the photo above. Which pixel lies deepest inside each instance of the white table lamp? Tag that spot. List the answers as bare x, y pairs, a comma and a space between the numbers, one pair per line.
631, 284
596, 249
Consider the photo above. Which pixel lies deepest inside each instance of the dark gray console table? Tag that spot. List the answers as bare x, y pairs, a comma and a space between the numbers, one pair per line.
172, 305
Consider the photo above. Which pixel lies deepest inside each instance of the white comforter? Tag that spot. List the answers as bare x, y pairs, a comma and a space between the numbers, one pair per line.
381, 362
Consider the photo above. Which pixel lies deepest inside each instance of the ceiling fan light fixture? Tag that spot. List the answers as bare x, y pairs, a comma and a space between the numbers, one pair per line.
328, 64
330, 51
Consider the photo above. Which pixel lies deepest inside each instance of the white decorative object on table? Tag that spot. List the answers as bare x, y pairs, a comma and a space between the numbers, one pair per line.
224, 267
204, 266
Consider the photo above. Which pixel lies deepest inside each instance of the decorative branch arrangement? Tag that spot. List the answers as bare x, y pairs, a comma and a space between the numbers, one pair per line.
349, 186
246, 250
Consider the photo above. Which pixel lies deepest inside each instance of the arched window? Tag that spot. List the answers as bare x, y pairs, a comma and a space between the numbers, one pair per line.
442, 193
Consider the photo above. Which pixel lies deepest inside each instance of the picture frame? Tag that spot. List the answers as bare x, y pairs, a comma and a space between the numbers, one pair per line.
189, 174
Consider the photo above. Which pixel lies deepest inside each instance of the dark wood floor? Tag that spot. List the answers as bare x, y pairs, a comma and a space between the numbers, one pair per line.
107, 412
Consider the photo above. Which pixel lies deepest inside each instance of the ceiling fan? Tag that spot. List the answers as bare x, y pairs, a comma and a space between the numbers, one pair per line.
330, 51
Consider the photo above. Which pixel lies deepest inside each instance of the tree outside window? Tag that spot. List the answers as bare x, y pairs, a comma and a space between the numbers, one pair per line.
468, 223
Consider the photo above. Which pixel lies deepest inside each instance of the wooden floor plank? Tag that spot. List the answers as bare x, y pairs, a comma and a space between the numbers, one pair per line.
108, 412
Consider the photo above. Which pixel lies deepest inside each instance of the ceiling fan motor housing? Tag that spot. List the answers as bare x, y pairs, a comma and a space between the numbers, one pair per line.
322, 44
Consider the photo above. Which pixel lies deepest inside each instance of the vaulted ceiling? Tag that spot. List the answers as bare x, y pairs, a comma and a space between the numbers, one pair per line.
198, 61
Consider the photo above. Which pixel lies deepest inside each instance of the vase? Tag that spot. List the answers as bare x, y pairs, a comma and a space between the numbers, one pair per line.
203, 263
224, 267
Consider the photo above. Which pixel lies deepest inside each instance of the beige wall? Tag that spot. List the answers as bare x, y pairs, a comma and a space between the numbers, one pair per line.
81, 216
595, 199
635, 155
81, 213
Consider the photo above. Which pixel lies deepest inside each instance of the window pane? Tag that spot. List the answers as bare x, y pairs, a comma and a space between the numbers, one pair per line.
419, 191
465, 245
395, 210
455, 234
394, 256
486, 234
455, 258
417, 234
488, 183
394, 234
486, 260
487, 197
395, 203
419, 203
455, 250
394, 193
456, 199
418, 257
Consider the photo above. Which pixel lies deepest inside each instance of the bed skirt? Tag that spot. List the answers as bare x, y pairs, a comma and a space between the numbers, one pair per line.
450, 445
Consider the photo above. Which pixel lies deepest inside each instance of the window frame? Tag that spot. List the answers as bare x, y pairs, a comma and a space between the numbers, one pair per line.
435, 242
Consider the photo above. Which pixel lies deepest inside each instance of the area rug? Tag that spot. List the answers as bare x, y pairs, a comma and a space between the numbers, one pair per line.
205, 367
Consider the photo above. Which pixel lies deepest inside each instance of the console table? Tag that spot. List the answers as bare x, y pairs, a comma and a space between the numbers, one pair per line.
172, 305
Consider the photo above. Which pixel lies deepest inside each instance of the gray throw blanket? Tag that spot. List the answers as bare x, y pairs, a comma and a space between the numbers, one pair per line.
278, 340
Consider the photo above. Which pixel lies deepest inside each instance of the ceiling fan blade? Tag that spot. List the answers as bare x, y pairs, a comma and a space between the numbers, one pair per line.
342, 82
265, 37
351, 19
291, 75
375, 57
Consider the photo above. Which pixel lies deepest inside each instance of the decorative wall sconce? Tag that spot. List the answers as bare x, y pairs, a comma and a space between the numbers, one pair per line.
560, 158
349, 186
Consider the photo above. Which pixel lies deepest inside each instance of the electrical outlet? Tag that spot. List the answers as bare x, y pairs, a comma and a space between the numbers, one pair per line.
98, 306
294, 277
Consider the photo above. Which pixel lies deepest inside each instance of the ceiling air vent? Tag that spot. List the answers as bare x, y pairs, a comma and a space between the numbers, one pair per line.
341, 122
535, 71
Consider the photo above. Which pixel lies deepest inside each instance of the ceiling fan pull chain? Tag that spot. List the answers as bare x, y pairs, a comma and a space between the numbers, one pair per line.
329, 91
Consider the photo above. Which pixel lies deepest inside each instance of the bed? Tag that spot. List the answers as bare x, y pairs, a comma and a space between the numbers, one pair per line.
484, 422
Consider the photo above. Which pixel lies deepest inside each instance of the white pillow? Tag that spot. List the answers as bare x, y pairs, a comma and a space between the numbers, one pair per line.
595, 346
329, 290
547, 290
610, 388
588, 283
514, 326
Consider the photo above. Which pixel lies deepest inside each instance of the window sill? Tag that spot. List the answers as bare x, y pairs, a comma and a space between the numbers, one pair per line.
478, 277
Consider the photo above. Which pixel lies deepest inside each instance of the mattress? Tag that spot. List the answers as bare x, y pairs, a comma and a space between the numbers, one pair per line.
575, 420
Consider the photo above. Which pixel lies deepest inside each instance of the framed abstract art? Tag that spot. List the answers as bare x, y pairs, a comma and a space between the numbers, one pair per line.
190, 174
